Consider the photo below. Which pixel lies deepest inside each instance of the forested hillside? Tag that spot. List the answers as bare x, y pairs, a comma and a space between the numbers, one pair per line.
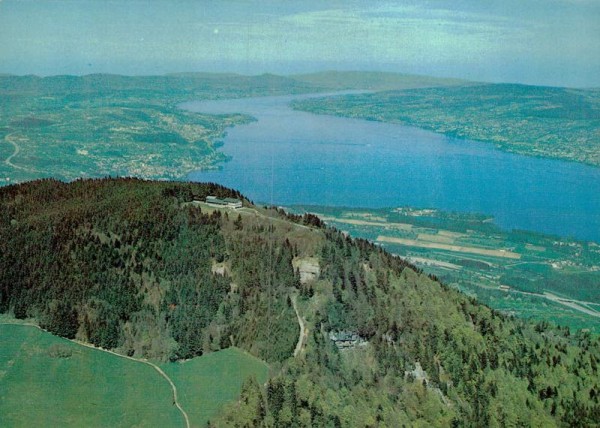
139, 267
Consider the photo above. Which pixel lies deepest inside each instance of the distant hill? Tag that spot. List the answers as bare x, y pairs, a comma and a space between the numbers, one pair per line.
179, 84
559, 123
354, 335
104, 124
373, 80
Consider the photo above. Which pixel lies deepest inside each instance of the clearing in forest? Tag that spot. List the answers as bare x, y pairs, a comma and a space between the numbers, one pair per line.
50, 381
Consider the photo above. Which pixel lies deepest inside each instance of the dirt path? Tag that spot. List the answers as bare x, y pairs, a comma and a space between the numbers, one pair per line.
303, 330
154, 366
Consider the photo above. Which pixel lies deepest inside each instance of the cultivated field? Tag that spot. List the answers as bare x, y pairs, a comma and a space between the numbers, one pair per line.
421, 243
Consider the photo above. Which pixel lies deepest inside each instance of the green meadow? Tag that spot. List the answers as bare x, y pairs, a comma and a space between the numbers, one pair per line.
49, 381
205, 384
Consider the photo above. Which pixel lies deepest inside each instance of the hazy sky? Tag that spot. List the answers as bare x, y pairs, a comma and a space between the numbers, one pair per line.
553, 42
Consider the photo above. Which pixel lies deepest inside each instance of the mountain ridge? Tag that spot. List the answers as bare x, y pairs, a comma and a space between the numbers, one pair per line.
141, 268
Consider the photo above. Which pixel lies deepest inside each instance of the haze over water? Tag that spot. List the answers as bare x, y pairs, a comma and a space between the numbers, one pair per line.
289, 157
551, 42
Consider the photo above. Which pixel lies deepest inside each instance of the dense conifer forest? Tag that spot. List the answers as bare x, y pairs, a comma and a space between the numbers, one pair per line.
140, 268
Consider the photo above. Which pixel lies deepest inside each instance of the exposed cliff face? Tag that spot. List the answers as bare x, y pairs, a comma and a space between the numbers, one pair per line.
308, 268
131, 265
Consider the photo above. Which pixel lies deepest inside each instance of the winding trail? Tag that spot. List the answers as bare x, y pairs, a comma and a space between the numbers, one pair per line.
8, 160
303, 330
154, 366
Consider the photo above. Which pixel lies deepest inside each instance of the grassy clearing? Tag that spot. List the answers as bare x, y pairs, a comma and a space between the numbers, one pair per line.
49, 381
205, 384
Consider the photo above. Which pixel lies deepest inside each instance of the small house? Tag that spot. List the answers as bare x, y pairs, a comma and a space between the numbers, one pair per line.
346, 339
224, 202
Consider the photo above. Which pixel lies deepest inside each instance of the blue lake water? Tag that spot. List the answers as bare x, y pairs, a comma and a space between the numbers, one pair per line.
290, 157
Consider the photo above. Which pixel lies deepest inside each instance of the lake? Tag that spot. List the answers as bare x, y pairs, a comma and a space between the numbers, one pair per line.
290, 157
